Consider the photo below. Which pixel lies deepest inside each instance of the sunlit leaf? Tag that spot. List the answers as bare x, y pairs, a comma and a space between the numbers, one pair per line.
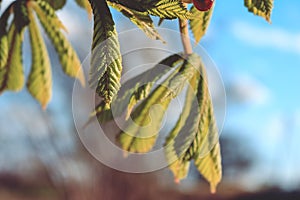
210, 167
67, 56
106, 60
142, 20
39, 82
261, 8
195, 133
12, 75
141, 133
177, 164
167, 9
199, 23
45, 11
141, 130
3, 49
3, 36
170, 9
186, 72
136, 89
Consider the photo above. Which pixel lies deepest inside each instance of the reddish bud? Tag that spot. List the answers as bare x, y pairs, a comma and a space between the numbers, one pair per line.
203, 5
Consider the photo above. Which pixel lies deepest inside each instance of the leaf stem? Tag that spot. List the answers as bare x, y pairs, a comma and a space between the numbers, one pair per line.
185, 38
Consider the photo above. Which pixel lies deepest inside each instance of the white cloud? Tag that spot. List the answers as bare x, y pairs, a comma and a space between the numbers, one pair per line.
297, 118
245, 88
267, 36
275, 127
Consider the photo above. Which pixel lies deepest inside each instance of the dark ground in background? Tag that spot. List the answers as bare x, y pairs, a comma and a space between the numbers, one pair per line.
110, 185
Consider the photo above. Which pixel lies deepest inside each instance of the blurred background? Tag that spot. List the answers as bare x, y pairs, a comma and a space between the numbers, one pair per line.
41, 156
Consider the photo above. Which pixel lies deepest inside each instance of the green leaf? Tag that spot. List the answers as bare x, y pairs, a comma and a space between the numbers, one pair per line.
106, 60
199, 23
67, 56
140, 19
56, 4
140, 133
210, 167
180, 169
103, 112
136, 89
11, 68
140, 87
170, 9
45, 11
39, 82
3, 50
167, 9
3, 36
186, 72
261, 8
11, 75
177, 164
181, 142
208, 156
195, 133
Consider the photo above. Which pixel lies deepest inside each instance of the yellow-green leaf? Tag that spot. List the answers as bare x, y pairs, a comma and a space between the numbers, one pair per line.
45, 11
199, 23
12, 75
140, 133
140, 19
39, 82
139, 87
68, 58
180, 169
106, 59
166, 9
185, 74
3, 50
135, 90
261, 8
210, 167
169, 9
195, 133
174, 156
3, 36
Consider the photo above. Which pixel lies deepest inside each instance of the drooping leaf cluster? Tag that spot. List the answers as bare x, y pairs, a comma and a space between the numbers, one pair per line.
144, 103
24, 14
194, 138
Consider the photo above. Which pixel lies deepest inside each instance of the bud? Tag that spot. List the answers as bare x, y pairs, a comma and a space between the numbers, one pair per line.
203, 5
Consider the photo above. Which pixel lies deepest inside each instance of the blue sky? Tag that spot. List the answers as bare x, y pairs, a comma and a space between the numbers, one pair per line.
259, 62
262, 59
